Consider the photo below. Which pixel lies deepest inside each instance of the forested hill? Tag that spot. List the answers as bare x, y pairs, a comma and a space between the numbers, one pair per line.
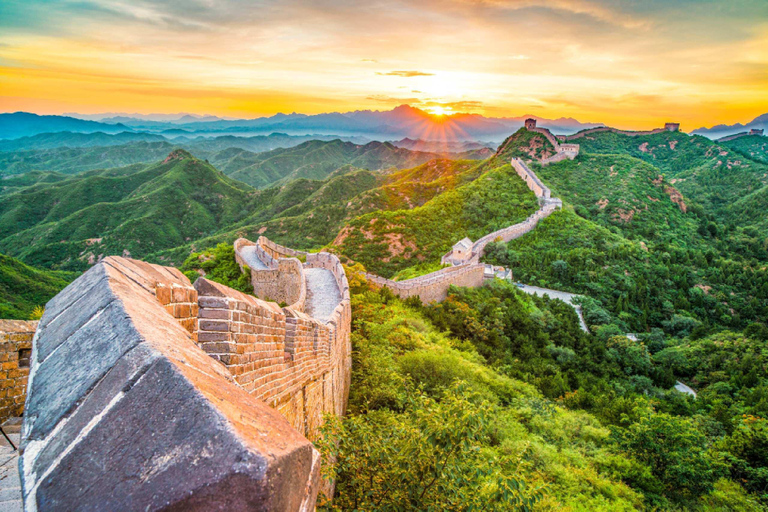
71, 223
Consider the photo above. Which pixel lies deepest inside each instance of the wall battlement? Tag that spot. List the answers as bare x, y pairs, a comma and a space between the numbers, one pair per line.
135, 371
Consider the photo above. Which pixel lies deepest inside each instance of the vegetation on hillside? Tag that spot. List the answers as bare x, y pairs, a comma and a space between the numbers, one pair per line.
25, 289
69, 224
389, 241
496, 400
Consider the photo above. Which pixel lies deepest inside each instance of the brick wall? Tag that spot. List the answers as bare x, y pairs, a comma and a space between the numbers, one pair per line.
295, 363
15, 351
599, 129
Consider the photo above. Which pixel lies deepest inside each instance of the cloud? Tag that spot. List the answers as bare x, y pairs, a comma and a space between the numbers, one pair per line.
382, 98
406, 74
456, 106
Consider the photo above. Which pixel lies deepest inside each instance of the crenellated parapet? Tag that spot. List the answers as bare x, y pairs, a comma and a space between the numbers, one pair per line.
130, 407
149, 393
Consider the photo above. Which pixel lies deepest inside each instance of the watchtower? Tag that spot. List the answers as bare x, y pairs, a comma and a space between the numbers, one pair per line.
530, 124
672, 127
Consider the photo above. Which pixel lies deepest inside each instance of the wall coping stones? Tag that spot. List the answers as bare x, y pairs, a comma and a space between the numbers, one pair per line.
126, 412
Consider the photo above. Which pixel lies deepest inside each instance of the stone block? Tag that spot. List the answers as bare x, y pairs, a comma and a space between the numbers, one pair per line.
126, 412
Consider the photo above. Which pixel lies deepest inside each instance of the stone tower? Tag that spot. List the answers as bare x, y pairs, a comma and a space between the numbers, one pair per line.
530, 124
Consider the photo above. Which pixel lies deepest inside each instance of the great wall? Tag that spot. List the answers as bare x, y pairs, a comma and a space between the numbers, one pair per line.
754, 131
149, 392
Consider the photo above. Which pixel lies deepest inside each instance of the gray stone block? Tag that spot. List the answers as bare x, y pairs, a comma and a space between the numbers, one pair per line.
126, 412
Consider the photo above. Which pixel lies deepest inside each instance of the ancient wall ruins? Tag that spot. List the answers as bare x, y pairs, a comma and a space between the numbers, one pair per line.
753, 131
15, 351
211, 361
469, 272
562, 151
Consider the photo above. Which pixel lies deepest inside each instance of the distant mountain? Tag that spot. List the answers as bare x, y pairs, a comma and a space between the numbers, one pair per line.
317, 160
76, 140
22, 124
400, 122
722, 130
436, 146
115, 117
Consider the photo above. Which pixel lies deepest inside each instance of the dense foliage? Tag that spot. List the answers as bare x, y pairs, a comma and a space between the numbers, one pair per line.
218, 264
440, 417
24, 289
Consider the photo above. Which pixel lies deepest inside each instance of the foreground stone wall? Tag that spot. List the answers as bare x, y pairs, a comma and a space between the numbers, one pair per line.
284, 357
126, 412
15, 353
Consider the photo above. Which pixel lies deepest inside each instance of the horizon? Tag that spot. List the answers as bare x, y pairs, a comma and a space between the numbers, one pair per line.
435, 116
614, 63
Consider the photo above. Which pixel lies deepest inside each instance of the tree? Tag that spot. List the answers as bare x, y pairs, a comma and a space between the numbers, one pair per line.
428, 458
676, 451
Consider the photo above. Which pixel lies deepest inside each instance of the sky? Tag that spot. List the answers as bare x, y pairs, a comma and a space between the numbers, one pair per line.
626, 63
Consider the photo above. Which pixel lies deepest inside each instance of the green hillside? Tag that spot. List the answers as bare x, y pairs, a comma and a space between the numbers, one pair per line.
388, 241
751, 146
623, 192
24, 288
138, 210
310, 213
314, 160
69, 160
710, 173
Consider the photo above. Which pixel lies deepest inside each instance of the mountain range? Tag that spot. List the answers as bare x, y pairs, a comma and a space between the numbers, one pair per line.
723, 130
400, 122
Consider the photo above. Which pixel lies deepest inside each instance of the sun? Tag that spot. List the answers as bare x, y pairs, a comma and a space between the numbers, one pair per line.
438, 110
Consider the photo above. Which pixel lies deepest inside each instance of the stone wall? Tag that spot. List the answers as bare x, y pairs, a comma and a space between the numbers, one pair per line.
599, 129
753, 131
433, 287
282, 356
531, 180
15, 352
515, 230
127, 410
282, 281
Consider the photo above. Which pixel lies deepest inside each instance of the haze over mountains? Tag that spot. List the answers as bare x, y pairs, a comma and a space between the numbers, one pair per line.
403, 121
722, 130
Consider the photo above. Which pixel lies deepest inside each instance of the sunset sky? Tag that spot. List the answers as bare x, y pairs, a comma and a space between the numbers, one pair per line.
623, 63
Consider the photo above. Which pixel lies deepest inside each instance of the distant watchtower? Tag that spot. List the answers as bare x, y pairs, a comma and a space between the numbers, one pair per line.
756, 131
530, 124
672, 127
